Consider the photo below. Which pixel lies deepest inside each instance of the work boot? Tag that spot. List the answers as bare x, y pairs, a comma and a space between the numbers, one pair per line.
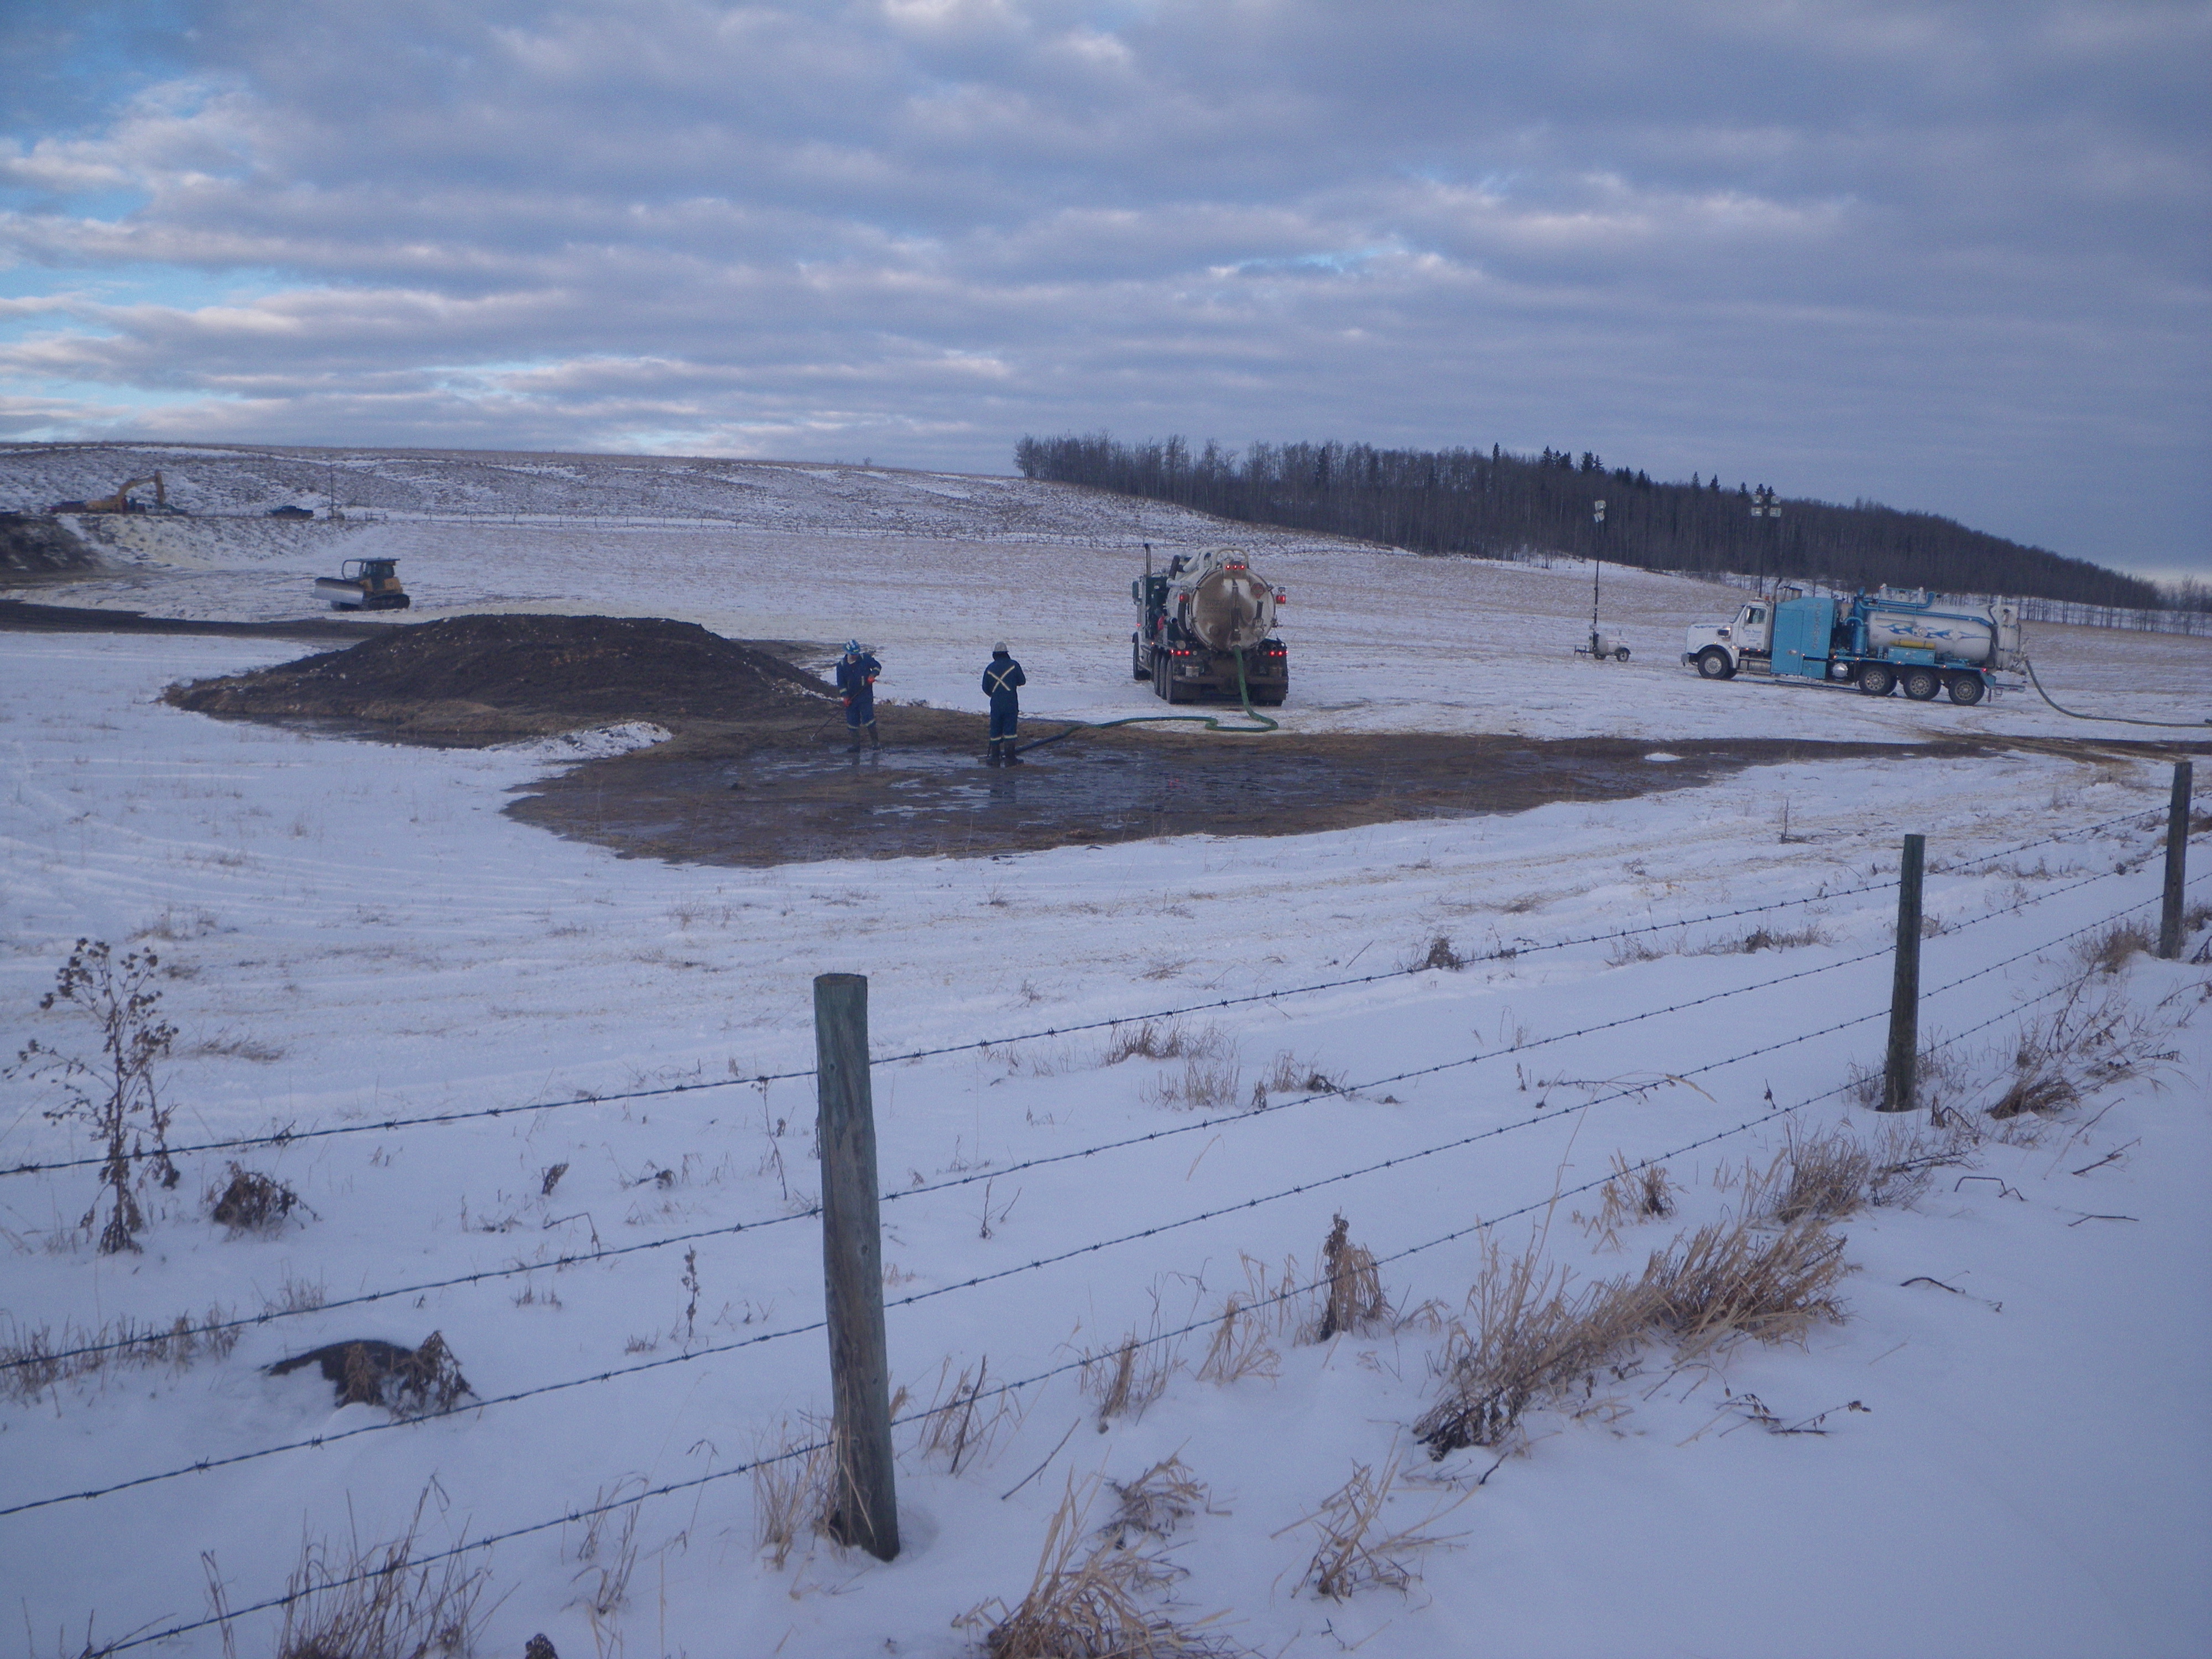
874, 742
854, 747
992, 757
1013, 755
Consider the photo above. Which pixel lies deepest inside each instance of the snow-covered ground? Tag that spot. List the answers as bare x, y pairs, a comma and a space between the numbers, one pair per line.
354, 932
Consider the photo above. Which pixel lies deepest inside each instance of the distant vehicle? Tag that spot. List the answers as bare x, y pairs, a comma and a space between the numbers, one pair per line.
364, 585
289, 511
1197, 619
1897, 637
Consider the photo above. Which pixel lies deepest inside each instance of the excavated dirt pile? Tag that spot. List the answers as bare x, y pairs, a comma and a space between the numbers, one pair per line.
33, 546
471, 680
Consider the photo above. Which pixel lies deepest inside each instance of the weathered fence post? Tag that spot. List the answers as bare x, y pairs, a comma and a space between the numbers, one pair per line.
865, 1512
1899, 1077
2177, 862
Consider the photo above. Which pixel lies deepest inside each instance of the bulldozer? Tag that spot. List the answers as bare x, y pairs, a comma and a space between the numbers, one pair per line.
364, 585
120, 501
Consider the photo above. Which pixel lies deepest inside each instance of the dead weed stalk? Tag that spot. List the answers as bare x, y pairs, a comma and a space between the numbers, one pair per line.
1355, 1550
353, 1602
1091, 1598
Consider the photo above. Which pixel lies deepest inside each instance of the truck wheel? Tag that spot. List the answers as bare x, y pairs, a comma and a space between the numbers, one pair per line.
1137, 669
1966, 688
1921, 684
1621, 655
1713, 663
1177, 690
1160, 674
1877, 679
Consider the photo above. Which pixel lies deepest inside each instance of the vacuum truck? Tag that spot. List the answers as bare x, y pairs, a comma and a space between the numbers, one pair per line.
1195, 620
1878, 643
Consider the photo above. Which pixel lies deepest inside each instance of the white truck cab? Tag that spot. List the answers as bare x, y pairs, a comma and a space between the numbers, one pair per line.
1720, 652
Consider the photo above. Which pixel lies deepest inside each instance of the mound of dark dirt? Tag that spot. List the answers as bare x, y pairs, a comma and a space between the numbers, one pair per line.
480, 679
33, 545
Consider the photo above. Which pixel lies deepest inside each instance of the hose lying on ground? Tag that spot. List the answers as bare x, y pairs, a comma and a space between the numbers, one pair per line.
2117, 720
1213, 721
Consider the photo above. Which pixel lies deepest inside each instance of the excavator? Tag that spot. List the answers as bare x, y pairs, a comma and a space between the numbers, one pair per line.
120, 501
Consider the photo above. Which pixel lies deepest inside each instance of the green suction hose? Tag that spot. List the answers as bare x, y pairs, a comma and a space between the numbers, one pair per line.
1212, 722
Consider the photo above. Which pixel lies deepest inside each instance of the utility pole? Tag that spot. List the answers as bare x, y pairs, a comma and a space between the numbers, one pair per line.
1764, 506
1597, 517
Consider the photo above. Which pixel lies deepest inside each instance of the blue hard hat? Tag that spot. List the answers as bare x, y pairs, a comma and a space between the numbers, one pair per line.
852, 647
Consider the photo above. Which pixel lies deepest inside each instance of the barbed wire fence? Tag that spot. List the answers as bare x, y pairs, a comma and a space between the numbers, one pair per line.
611, 1375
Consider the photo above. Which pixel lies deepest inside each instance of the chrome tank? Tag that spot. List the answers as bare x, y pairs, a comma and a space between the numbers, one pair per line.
1226, 605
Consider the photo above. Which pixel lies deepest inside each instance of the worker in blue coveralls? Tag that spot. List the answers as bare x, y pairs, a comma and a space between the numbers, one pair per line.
1002, 681
856, 679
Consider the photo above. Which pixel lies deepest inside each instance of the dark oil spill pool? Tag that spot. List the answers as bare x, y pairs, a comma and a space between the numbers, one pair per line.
784, 804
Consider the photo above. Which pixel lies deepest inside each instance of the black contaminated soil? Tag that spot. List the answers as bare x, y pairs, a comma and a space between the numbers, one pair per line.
35, 548
756, 771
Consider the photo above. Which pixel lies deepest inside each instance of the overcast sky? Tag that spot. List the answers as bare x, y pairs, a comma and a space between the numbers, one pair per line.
1946, 256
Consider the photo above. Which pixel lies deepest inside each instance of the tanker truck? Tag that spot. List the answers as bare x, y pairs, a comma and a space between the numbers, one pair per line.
1878, 643
1196, 617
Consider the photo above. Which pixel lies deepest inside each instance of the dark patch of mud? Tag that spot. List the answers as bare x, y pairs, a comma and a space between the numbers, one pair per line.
469, 681
687, 802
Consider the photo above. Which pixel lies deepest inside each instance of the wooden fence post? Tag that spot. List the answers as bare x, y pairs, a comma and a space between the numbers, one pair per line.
1899, 1077
866, 1510
2177, 861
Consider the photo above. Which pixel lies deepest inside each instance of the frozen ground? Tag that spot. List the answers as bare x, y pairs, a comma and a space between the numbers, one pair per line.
354, 932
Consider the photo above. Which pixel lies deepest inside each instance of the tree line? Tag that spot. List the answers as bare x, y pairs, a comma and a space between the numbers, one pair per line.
1499, 505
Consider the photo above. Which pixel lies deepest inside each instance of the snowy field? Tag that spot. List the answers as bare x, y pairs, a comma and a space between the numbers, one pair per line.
352, 933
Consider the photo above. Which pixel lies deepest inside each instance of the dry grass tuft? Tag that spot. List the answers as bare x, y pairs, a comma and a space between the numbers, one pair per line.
2085, 1045
792, 1494
1440, 954
1727, 1279
1090, 1599
1128, 1377
32, 1359
1531, 1338
1635, 1193
1239, 1347
1356, 1551
1766, 939
1354, 1301
1154, 1504
1825, 1176
253, 1202
606, 1556
2109, 952
1204, 1085
377, 1603
1290, 1075
1168, 1039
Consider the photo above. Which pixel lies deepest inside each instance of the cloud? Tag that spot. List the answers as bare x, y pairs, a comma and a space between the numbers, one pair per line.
1951, 257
